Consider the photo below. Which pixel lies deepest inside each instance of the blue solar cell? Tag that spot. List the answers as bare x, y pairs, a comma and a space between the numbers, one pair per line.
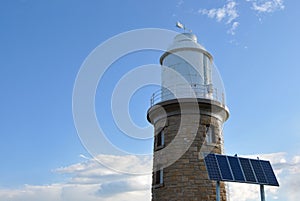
247, 169
260, 175
224, 167
212, 167
236, 169
267, 168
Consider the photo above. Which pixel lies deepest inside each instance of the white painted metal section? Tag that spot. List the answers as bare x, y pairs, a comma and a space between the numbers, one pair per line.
190, 61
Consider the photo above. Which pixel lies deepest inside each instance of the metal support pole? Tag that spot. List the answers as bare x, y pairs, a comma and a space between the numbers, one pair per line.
218, 191
262, 192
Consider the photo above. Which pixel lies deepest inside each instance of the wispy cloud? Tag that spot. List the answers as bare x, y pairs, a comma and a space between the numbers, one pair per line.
266, 6
233, 28
229, 13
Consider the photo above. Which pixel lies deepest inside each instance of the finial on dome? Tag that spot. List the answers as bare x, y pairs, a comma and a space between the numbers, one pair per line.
182, 26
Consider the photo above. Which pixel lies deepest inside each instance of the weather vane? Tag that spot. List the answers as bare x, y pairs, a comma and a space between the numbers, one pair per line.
182, 26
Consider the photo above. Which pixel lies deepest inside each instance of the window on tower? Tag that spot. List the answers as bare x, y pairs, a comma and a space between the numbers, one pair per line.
158, 178
210, 134
160, 140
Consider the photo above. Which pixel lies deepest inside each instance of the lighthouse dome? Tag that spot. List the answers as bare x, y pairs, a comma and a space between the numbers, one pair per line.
187, 69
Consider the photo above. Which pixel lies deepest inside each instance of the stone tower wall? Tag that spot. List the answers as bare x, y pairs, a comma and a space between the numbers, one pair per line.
187, 178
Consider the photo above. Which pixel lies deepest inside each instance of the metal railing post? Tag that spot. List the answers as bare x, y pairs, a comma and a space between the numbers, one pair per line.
152, 100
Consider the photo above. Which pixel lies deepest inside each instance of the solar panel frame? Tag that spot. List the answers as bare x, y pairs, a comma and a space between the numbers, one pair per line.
242, 170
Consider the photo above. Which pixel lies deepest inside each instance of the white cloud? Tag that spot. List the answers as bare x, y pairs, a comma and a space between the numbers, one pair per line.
139, 183
228, 12
233, 28
243, 192
108, 184
91, 181
267, 6
74, 192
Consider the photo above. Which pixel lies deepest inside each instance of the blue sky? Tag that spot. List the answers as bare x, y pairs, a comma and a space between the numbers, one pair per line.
44, 43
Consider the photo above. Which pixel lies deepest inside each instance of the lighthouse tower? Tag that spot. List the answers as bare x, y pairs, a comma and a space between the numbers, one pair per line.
187, 113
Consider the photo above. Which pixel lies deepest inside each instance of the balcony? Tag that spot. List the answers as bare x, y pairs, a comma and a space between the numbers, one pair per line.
184, 91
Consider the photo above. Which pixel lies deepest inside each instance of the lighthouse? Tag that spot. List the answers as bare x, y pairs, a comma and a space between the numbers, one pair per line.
187, 113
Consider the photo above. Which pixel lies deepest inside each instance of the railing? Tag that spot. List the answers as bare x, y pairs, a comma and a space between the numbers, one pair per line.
193, 91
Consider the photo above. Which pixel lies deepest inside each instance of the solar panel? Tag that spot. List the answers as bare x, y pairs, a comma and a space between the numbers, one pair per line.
247, 169
236, 169
260, 175
212, 167
224, 167
267, 168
